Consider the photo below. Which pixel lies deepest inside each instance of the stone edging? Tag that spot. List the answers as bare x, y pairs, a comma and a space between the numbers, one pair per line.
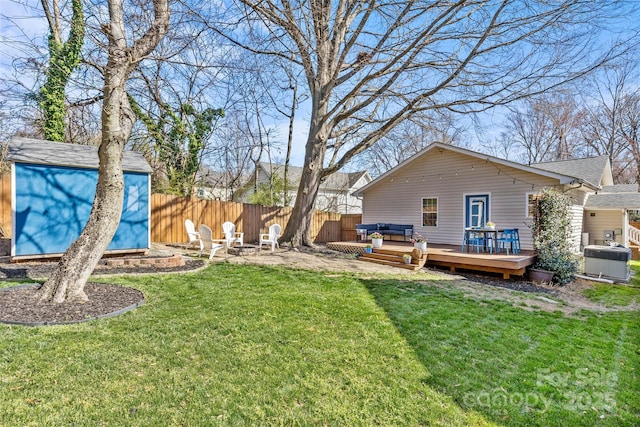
175, 260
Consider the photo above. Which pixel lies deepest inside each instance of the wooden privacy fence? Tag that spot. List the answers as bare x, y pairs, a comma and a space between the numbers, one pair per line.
168, 214
348, 226
5, 204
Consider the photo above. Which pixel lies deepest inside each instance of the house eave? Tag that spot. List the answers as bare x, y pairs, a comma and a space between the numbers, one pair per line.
599, 208
562, 179
576, 184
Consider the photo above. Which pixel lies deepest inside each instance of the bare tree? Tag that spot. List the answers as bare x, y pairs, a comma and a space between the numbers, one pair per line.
610, 118
371, 65
248, 134
545, 128
72, 272
630, 133
408, 138
178, 97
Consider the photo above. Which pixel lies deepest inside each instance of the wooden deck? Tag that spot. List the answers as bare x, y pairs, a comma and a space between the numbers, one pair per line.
447, 256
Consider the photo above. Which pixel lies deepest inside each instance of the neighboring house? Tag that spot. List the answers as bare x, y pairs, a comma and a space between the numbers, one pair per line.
214, 185
335, 194
443, 189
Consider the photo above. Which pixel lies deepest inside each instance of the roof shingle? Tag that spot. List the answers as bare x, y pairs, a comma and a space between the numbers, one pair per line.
38, 151
589, 169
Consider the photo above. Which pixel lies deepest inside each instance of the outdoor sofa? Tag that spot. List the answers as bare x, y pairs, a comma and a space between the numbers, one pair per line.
404, 230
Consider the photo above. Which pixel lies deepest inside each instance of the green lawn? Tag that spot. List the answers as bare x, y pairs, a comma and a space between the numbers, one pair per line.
617, 294
249, 345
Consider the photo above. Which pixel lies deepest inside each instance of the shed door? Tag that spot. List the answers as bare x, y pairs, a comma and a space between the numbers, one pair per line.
476, 210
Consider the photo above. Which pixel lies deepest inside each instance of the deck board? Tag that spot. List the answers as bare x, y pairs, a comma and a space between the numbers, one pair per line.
454, 258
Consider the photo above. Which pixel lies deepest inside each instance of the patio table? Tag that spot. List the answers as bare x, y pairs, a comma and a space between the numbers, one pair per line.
486, 233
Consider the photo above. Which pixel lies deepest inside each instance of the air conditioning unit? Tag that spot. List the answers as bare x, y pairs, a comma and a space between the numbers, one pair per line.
610, 262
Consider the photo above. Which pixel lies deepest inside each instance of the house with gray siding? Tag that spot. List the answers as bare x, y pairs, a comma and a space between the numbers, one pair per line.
335, 193
443, 189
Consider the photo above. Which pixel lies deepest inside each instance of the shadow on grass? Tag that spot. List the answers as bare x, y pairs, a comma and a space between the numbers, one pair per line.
514, 366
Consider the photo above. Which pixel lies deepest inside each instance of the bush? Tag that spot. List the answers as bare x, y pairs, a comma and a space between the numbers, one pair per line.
551, 236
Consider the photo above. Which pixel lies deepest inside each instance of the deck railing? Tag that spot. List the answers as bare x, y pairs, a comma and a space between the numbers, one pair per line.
634, 235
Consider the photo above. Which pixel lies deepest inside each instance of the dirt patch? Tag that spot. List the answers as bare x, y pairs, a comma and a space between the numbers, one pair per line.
318, 259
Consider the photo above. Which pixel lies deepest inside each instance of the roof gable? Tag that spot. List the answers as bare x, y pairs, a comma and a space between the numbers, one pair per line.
437, 147
43, 152
594, 170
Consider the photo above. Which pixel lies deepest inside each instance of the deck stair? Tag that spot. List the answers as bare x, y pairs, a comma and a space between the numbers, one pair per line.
394, 258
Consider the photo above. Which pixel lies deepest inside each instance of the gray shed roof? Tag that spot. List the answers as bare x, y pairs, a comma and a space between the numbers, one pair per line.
620, 196
620, 188
38, 151
589, 169
613, 201
339, 181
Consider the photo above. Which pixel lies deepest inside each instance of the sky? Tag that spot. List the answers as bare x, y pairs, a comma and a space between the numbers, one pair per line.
19, 21
26, 23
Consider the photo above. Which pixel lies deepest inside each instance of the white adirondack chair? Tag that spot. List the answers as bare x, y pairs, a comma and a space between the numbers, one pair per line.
231, 235
194, 236
207, 243
271, 238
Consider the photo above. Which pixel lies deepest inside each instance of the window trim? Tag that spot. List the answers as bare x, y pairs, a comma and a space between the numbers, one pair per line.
422, 212
527, 204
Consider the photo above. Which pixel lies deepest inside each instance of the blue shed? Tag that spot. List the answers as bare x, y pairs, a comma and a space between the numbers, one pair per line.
53, 186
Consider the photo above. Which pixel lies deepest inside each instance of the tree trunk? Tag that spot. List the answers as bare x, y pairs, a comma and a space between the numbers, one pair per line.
298, 230
64, 57
68, 280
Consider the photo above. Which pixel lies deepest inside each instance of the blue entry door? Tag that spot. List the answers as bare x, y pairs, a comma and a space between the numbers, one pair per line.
476, 210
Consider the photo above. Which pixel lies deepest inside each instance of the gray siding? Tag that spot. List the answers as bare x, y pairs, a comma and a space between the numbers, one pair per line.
596, 221
450, 176
579, 198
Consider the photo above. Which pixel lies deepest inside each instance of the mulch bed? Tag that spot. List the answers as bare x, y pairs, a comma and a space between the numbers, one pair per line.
516, 284
21, 305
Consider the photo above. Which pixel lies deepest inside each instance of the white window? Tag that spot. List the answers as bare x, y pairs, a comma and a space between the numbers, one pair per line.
132, 199
531, 203
430, 212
